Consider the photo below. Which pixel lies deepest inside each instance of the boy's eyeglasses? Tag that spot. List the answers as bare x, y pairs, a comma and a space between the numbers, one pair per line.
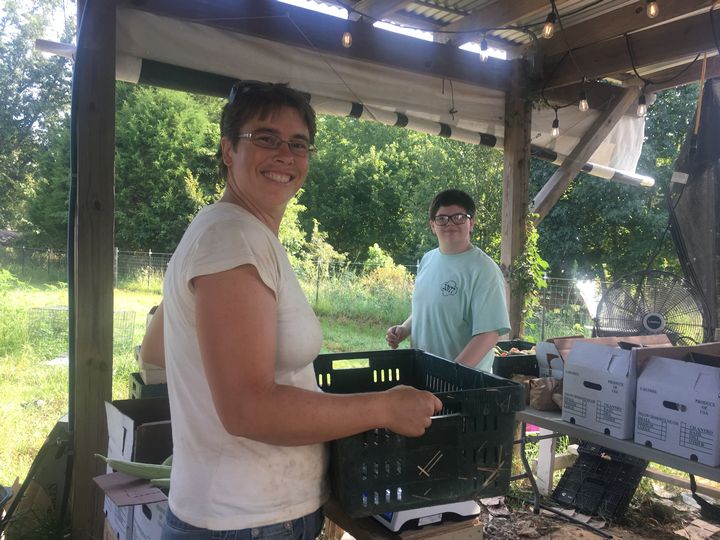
265, 139
458, 219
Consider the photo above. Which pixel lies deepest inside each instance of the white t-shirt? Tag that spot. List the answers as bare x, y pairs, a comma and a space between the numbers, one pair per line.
220, 481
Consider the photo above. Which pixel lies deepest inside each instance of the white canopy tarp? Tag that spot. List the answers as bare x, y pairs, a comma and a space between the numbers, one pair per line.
330, 79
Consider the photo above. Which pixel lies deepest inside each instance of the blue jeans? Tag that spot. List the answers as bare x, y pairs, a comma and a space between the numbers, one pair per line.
304, 528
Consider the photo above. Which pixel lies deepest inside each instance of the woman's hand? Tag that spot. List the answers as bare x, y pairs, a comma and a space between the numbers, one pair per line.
410, 411
396, 334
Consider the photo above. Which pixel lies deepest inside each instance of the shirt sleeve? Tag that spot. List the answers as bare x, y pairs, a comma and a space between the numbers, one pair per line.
489, 306
228, 244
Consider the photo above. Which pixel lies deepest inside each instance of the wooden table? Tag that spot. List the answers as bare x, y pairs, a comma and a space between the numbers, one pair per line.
370, 529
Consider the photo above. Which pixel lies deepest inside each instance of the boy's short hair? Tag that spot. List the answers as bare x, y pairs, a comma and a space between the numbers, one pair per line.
450, 197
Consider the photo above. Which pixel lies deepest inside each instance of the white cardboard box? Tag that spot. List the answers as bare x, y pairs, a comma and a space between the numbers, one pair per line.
678, 405
600, 383
552, 354
138, 429
119, 519
148, 520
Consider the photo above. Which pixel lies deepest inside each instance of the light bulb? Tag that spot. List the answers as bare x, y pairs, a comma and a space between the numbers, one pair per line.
484, 50
652, 9
642, 106
583, 105
347, 40
549, 26
555, 128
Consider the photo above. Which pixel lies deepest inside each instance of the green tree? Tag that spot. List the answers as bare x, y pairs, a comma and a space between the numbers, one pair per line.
371, 183
603, 229
165, 165
34, 99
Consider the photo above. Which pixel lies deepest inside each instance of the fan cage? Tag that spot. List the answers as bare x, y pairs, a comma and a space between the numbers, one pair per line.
653, 302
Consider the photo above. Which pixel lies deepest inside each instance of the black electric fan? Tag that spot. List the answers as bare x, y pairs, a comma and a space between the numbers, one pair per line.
653, 302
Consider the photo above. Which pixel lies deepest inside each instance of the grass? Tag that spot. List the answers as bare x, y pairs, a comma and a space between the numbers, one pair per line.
354, 316
33, 343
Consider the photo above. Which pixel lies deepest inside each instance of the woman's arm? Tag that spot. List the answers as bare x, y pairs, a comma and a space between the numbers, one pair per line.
152, 349
236, 317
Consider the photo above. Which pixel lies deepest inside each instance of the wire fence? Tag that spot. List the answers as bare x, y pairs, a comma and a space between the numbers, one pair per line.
565, 307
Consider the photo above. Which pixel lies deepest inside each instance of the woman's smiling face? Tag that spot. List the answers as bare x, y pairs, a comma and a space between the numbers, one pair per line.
266, 177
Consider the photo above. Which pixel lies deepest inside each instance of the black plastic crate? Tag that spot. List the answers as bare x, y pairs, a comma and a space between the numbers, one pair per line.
601, 482
138, 389
466, 452
515, 364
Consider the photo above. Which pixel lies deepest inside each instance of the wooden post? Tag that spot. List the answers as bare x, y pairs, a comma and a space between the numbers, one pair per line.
516, 177
545, 463
95, 131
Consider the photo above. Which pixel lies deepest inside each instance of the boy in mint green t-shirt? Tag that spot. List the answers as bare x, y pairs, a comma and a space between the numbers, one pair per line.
458, 304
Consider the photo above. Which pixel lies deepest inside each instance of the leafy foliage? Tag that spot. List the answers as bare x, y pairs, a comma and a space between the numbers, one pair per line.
373, 184
165, 165
368, 184
602, 229
34, 98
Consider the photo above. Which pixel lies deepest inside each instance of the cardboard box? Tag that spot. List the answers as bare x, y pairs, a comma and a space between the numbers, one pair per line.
678, 404
108, 532
600, 382
139, 430
119, 519
153, 376
148, 520
551, 355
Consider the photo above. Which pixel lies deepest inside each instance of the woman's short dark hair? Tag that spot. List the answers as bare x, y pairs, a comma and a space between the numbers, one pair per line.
254, 99
450, 197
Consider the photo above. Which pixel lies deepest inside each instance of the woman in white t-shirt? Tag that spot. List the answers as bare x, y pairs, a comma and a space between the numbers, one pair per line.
238, 340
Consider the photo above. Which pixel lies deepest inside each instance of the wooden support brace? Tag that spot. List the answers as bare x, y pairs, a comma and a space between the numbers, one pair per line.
553, 189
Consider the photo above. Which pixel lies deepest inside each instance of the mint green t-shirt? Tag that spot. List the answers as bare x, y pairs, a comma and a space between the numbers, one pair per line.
457, 297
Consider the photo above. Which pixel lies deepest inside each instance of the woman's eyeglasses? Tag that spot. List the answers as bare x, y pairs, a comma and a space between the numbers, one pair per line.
240, 88
458, 219
265, 139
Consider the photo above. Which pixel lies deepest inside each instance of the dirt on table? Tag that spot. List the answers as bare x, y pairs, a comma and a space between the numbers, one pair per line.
649, 517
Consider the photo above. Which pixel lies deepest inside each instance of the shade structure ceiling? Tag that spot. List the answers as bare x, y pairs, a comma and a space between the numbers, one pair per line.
435, 86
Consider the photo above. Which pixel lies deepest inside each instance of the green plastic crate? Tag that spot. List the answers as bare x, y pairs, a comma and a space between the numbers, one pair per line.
466, 452
515, 364
138, 389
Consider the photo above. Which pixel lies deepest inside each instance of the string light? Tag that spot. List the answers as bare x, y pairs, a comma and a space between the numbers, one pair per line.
549, 27
651, 8
556, 125
642, 105
584, 106
347, 40
484, 50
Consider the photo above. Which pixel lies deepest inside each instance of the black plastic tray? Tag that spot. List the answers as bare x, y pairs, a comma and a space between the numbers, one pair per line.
465, 453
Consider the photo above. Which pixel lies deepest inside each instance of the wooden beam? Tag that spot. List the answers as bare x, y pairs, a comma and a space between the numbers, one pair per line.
516, 178
95, 131
599, 94
670, 78
379, 9
322, 34
702, 488
626, 19
688, 36
589, 142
